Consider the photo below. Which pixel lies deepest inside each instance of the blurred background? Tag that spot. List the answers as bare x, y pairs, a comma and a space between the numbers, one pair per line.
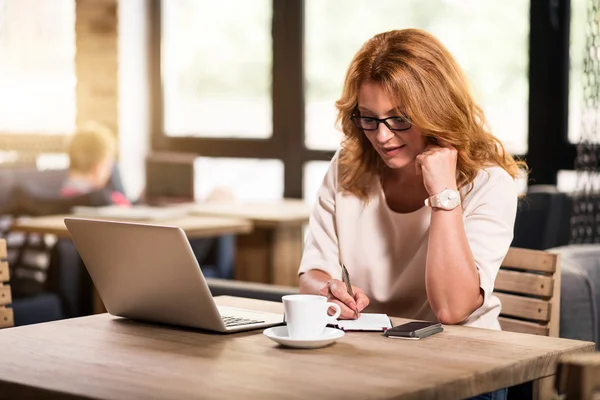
250, 85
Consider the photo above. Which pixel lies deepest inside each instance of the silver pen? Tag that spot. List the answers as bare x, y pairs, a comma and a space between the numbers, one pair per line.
346, 280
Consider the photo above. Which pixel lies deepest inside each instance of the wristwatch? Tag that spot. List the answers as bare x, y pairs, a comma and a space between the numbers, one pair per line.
447, 199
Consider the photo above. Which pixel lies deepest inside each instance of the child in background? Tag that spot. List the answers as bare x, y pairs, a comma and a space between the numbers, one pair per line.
92, 153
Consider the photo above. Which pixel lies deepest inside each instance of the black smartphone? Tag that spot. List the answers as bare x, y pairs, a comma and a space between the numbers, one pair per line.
414, 330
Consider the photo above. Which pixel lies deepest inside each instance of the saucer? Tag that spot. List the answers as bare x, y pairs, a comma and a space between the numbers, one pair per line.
279, 334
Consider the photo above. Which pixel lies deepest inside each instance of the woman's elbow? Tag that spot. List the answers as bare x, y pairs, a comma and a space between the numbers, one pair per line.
449, 317
458, 315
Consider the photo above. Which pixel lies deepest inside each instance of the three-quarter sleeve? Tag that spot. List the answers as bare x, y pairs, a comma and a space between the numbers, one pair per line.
321, 249
489, 218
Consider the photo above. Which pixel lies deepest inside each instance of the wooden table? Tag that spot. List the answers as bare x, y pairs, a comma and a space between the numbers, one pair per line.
271, 253
194, 226
105, 357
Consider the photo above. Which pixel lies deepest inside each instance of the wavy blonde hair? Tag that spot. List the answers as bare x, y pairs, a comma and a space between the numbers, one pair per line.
424, 80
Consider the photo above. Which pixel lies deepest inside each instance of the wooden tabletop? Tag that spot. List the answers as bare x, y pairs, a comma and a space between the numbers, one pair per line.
194, 226
262, 214
106, 357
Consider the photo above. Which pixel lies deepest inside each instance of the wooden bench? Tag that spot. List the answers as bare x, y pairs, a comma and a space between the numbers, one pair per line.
6, 313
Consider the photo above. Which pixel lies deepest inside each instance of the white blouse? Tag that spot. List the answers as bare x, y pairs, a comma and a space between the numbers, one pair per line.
385, 251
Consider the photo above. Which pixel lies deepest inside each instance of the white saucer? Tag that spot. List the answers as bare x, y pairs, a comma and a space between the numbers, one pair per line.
279, 334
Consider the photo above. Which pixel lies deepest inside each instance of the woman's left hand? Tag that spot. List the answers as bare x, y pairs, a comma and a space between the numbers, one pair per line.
437, 164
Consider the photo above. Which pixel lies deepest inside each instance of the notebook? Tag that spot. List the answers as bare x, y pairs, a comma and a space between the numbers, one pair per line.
366, 322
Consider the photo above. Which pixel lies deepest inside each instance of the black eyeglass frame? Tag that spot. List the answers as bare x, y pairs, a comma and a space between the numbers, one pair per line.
356, 116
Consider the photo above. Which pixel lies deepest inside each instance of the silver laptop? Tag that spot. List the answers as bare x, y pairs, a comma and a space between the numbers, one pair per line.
149, 273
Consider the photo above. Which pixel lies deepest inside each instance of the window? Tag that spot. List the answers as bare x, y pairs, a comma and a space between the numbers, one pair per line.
37, 69
290, 107
216, 68
314, 172
577, 49
488, 38
246, 179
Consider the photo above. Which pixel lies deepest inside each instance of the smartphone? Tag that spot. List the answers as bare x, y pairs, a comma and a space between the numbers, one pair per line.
414, 330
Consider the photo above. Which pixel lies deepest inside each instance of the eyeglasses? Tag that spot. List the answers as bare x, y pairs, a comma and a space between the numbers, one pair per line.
372, 124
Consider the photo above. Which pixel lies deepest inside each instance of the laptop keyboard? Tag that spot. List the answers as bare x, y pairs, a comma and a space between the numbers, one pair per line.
236, 321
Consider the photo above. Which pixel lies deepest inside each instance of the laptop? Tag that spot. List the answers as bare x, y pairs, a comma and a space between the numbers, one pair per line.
149, 273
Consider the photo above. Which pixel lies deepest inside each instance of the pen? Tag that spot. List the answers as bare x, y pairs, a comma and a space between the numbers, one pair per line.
346, 279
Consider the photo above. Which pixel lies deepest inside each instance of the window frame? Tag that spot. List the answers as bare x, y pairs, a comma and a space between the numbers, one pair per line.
549, 149
287, 141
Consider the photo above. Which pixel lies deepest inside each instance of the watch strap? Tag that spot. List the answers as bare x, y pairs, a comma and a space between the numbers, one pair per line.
434, 201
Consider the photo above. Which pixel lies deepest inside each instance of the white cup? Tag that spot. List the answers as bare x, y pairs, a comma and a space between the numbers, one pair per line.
306, 315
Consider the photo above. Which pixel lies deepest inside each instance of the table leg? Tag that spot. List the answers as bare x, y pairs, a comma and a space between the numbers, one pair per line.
286, 254
252, 256
544, 388
270, 255
539, 389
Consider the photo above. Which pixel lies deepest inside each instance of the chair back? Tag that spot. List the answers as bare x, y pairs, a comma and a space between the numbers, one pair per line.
6, 313
543, 218
578, 376
528, 285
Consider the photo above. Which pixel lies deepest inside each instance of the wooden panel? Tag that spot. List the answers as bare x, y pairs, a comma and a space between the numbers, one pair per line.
543, 389
514, 325
5, 295
252, 259
578, 376
525, 283
121, 356
6, 317
3, 251
286, 255
554, 324
523, 307
4, 272
270, 255
530, 260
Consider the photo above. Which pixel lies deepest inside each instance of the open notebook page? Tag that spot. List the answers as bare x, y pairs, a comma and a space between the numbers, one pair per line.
366, 322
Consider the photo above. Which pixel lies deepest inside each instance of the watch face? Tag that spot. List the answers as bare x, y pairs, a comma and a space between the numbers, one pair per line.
449, 199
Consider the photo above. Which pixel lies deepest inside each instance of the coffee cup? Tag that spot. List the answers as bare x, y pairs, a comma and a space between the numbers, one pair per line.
306, 315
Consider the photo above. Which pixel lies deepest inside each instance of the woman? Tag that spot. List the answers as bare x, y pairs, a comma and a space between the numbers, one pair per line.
419, 203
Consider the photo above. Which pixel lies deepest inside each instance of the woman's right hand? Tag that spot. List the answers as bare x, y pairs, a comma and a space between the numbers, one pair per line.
336, 292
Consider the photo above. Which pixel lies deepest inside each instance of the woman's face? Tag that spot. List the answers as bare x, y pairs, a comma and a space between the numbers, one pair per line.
397, 148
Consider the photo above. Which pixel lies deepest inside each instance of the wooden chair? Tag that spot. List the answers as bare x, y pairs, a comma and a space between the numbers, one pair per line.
6, 313
528, 285
578, 377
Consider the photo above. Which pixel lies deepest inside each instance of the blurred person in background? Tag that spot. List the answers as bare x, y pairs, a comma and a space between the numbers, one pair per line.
92, 155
